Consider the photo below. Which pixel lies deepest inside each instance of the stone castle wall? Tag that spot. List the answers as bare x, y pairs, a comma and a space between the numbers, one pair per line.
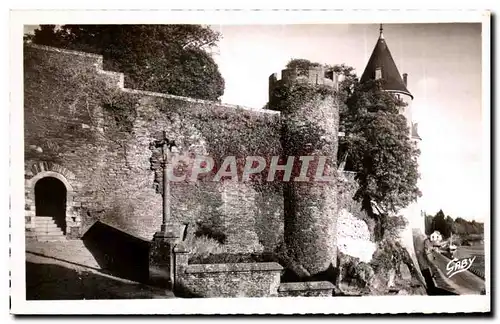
68, 125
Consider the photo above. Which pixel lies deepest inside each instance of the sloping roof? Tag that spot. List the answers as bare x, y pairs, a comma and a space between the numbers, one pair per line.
381, 58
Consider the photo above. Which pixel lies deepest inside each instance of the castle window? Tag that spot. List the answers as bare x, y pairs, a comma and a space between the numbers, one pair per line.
378, 73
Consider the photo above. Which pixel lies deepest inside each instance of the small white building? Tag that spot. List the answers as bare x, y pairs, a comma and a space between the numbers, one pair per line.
436, 237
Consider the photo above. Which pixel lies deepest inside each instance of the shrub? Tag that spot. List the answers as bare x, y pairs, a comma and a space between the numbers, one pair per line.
389, 255
203, 246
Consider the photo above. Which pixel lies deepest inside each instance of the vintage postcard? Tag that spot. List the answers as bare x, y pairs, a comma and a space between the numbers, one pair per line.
250, 162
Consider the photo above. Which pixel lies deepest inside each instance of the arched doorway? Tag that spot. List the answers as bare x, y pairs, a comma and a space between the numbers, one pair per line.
50, 200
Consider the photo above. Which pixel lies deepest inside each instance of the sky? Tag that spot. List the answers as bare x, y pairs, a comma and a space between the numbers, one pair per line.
443, 62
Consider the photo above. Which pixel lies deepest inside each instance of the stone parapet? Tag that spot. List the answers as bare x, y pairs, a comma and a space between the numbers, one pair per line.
225, 279
306, 289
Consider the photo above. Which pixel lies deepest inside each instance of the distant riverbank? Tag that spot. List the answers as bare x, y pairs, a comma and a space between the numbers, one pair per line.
473, 251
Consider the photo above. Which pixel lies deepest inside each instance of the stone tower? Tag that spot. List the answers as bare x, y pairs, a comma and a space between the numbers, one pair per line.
310, 120
381, 65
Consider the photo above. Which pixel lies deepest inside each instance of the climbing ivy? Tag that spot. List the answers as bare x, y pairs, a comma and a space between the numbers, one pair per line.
292, 97
76, 90
230, 131
122, 109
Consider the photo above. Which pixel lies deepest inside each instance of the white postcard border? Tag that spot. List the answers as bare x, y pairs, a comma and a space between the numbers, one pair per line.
295, 305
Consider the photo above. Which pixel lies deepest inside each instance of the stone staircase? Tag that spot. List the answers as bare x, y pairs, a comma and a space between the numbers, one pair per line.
45, 230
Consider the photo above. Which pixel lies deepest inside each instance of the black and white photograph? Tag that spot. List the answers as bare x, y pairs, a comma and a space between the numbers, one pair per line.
165, 164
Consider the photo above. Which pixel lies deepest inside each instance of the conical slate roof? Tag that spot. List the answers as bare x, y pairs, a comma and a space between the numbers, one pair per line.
382, 58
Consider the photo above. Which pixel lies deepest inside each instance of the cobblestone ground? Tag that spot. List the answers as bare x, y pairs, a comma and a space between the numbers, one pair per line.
67, 270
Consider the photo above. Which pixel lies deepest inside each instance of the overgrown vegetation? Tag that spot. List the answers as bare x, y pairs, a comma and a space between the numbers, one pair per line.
200, 245
377, 147
302, 66
122, 108
76, 93
380, 152
229, 131
172, 59
389, 255
87, 91
290, 98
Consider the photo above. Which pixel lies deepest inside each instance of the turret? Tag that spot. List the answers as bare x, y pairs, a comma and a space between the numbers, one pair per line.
314, 75
310, 119
381, 65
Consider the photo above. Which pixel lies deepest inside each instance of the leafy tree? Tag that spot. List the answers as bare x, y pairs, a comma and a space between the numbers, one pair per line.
162, 58
380, 151
450, 226
428, 224
439, 223
393, 225
464, 227
445, 225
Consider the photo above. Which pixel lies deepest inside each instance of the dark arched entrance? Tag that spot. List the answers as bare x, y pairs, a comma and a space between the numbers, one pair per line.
50, 200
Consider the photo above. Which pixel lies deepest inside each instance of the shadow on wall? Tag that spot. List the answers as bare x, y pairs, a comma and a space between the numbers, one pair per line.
117, 252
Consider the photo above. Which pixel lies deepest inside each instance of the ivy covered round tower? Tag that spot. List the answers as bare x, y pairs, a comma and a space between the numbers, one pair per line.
310, 121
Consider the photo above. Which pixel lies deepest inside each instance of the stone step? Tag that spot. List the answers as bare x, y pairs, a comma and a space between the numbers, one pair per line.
44, 221
46, 225
51, 238
46, 236
30, 234
52, 231
44, 217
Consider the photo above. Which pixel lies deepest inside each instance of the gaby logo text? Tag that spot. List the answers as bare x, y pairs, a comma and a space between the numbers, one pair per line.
458, 265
